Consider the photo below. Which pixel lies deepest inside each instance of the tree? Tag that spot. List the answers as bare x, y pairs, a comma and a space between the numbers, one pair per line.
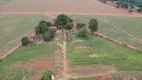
43, 28
41, 22
139, 10
52, 32
69, 26
47, 75
80, 25
47, 36
48, 23
37, 30
93, 25
83, 33
62, 20
25, 41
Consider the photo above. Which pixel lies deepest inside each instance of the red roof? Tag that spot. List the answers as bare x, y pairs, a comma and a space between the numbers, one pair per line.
53, 27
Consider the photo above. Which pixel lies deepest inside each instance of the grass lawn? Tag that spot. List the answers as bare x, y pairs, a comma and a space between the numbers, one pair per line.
22, 56
13, 27
108, 53
125, 29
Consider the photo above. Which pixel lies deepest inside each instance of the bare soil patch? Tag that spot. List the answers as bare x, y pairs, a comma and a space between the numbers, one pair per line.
81, 47
94, 56
38, 65
106, 77
76, 41
87, 71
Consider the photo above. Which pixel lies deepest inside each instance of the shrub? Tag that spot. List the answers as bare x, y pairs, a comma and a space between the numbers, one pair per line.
47, 36
139, 10
25, 41
83, 33
47, 75
52, 32
69, 26
80, 25
48, 23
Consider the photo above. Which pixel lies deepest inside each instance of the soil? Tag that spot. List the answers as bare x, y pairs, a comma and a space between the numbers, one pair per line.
81, 47
106, 77
76, 41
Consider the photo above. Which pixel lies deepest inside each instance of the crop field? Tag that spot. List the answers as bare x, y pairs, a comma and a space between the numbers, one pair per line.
13, 27
76, 6
125, 29
28, 62
97, 51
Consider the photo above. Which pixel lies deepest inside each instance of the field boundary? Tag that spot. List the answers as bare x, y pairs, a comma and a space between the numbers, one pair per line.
7, 53
73, 13
116, 41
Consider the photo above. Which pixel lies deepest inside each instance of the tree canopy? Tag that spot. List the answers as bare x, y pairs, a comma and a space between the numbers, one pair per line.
25, 41
93, 25
80, 25
62, 20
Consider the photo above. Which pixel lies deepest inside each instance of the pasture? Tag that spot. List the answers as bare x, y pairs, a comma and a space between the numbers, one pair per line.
28, 62
125, 29
13, 27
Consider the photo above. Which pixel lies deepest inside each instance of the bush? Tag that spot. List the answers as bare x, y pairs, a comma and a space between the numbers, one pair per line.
52, 32
83, 33
47, 75
80, 25
48, 23
43, 28
139, 10
25, 41
47, 36
69, 26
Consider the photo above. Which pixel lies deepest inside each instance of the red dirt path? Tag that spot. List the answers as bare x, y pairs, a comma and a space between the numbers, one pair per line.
50, 14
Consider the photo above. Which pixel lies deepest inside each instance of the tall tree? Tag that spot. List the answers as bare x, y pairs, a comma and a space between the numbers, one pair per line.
93, 25
62, 20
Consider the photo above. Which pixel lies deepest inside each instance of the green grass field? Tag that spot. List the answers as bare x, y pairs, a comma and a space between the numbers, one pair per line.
13, 27
22, 56
124, 59
125, 29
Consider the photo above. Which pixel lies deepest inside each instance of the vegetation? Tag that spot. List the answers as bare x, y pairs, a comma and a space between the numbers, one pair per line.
139, 10
83, 33
116, 27
93, 25
42, 28
69, 26
107, 52
25, 41
47, 36
47, 75
23, 56
62, 20
14, 26
80, 25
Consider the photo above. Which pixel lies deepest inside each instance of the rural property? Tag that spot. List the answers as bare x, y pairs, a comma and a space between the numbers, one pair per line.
70, 39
